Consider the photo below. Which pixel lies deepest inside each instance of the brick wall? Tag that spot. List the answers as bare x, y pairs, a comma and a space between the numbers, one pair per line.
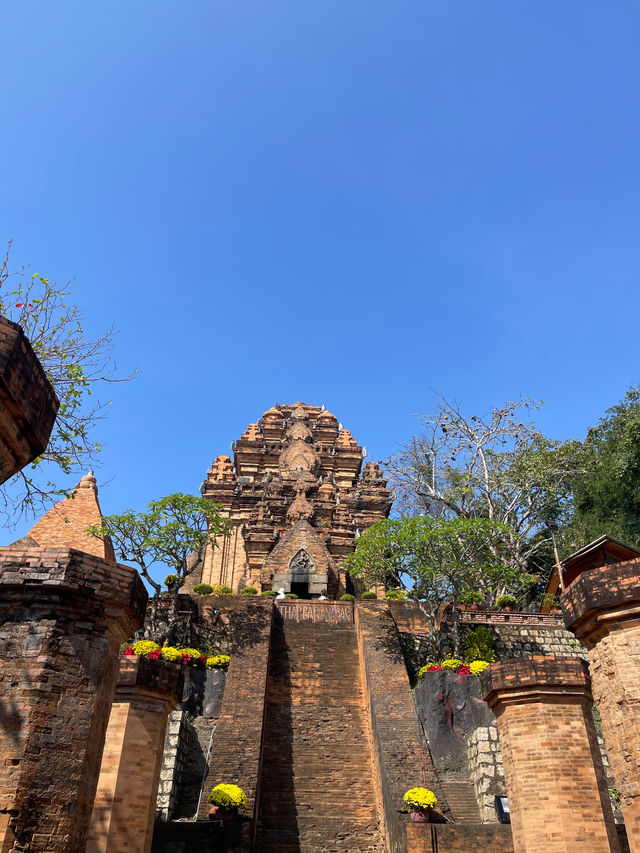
177, 745
124, 806
236, 749
63, 616
400, 761
553, 770
602, 607
486, 770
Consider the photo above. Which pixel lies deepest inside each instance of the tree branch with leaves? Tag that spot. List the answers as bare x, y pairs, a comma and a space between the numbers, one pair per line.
175, 531
75, 364
496, 466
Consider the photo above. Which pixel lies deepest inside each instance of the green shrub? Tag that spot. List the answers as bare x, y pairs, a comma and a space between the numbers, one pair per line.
269, 593
291, 595
203, 589
249, 590
221, 589
347, 597
479, 644
170, 580
368, 595
506, 601
471, 597
396, 595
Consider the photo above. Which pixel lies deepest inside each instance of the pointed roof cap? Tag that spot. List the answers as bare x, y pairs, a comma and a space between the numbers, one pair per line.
65, 525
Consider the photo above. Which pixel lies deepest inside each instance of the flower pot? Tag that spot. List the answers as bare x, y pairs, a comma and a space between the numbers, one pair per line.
507, 609
218, 813
474, 607
425, 816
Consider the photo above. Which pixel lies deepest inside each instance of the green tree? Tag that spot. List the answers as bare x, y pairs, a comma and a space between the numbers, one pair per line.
75, 365
437, 560
607, 495
175, 531
496, 466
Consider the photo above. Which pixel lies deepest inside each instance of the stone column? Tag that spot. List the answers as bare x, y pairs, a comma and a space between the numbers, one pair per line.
125, 803
602, 608
553, 770
63, 616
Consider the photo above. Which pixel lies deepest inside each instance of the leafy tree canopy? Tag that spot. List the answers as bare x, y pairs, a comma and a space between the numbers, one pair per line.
437, 560
496, 466
174, 531
607, 495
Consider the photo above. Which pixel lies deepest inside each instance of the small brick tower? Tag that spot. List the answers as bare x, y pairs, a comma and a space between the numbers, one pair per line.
298, 495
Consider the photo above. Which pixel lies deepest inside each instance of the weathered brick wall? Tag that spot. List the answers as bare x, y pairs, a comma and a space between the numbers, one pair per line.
236, 750
486, 770
434, 838
27, 402
63, 615
553, 770
177, 745
400, 760
602, 607
124, 806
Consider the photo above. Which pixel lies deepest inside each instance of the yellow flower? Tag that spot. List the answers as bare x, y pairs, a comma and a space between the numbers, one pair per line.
420, 799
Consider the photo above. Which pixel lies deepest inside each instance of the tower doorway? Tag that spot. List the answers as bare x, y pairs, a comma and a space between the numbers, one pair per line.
300, 588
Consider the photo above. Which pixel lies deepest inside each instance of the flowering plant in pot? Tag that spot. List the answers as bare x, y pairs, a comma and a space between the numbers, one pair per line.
506, 602
226, 800
422, 804
471, 599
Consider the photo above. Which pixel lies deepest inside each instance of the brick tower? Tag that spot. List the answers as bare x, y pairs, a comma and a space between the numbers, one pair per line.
298, 496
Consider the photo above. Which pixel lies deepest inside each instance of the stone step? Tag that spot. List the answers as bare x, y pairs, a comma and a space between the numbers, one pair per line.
461, 798
317, 790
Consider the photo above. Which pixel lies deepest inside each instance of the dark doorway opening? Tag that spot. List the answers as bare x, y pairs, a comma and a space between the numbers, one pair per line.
300, 588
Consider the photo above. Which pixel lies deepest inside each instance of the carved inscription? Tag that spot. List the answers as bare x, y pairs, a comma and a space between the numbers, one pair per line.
312, 611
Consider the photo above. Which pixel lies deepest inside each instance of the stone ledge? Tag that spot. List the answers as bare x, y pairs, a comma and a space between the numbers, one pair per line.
601, 597
48, 571
540, 678
136, 671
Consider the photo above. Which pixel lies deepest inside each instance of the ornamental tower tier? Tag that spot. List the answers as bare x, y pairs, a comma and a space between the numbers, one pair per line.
298, 495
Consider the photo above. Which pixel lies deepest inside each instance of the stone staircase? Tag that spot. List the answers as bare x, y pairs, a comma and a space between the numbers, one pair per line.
317, 791
461, 799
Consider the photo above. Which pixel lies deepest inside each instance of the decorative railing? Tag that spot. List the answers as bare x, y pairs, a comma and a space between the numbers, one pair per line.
501, 618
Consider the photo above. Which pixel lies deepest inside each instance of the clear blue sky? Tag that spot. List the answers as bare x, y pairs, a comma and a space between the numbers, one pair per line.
348, 203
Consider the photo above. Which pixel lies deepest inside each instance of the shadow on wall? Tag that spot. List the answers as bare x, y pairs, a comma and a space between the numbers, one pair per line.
277, 814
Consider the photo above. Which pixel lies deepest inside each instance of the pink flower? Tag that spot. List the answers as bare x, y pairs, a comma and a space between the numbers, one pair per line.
127, 651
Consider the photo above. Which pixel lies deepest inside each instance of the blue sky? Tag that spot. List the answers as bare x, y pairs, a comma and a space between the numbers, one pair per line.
348, 203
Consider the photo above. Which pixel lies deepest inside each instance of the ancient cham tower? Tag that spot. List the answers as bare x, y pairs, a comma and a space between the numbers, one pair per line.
298, 494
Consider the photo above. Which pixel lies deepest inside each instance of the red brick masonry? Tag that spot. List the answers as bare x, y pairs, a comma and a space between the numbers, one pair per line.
553, 771
602, 608
63, 615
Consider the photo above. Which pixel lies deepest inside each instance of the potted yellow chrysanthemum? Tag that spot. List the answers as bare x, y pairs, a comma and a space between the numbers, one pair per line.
422, 805
226, 800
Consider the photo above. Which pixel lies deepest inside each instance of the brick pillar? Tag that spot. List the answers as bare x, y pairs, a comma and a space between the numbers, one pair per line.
125, 803
553, 770
602, 608
63, 614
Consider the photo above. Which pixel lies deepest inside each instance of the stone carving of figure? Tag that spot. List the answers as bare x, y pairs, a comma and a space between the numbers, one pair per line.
301, 562
280, 592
